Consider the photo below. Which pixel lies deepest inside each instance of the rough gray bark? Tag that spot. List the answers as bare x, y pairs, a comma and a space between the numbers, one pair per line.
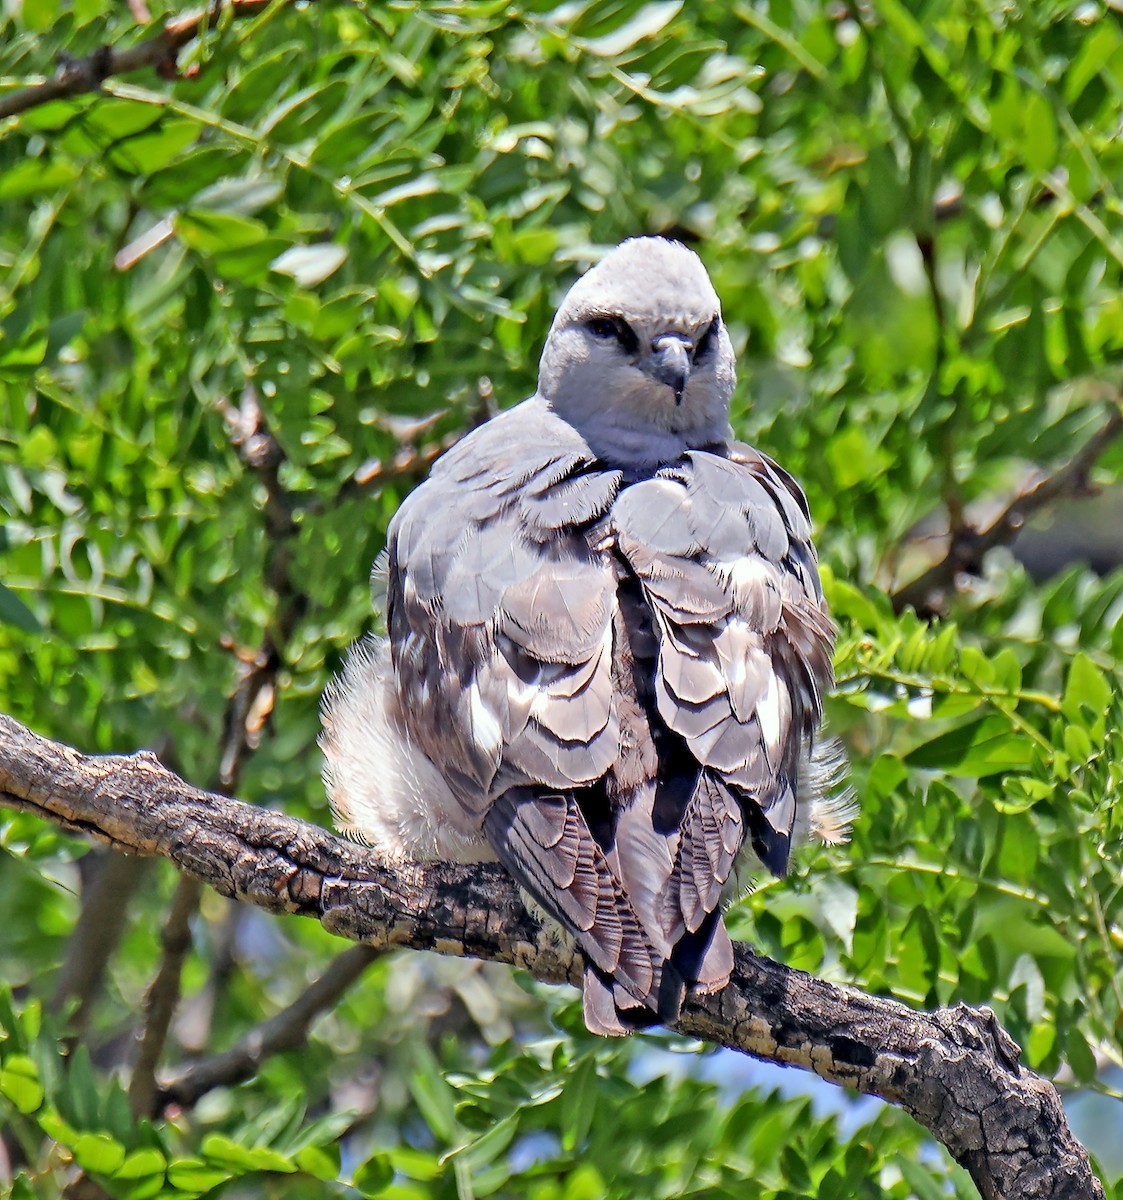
955, 1070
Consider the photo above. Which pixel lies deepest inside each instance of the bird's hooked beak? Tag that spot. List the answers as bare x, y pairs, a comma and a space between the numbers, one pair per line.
670, 360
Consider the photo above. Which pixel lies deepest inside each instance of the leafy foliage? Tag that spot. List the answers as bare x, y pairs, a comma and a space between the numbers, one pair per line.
366, 213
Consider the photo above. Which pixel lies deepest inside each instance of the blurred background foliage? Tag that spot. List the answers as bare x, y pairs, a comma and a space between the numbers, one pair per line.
342, 229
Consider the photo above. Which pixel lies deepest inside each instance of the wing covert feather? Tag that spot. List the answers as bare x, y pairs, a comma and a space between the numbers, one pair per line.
722, 548
544, 841
500, 613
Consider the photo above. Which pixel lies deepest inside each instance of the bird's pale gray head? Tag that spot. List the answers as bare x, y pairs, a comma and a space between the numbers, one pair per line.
638, 354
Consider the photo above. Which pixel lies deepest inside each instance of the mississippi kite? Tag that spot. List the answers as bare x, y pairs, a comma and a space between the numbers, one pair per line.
607, 646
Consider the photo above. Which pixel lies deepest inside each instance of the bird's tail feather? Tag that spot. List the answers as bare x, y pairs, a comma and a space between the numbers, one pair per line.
545, 843
695, 965
638, 971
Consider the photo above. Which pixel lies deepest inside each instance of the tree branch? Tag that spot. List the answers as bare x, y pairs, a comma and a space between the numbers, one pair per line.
250, 708
968, 545
108, 887
78, 75
163, 994
414, 457
287, 1030
247, 712
954, 1070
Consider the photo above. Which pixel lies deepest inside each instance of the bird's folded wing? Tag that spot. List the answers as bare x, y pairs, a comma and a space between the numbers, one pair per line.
501, 621
546, 844
721, 544
500, 613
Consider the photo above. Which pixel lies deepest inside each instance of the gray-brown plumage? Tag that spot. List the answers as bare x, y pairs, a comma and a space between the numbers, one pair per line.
607, 645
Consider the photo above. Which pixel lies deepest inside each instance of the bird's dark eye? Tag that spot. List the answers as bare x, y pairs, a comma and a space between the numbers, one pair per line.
616, 329
707, 341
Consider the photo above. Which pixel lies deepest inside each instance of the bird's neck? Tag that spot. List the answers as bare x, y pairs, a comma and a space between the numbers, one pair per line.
642, 449
639, 438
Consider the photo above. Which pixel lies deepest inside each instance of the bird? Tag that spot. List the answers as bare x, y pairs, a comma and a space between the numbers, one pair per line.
607, 647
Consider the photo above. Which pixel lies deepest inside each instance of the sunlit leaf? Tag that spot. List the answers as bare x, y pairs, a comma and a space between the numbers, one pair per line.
310, 265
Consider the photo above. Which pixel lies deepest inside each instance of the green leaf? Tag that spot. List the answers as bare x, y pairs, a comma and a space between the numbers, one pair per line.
855, 458
34, 176
310, 265
140, 1164
194, 1176
240, 197
921, 1181
19, 1081
1096, 51
988, 746
146, 153
1087, 693
39, 448
214, 232
303, 113
225, 1152
1040, 1044
1018, 857
1039, 139
54, 1126
22, 1189
1027, 975
321, 1161
99, 1153
1077, 743
15, 612
484, 1150
434, 1097
415, 1164
579, 1103
39, 14
646, 22
1078, 1055
374, 1176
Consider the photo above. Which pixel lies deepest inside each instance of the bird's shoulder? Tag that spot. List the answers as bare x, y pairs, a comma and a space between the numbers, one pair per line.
525, 470
500, 538
711, 512
504, 453
500, 610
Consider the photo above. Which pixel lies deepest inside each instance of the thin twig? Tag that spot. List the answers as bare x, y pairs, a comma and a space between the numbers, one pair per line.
110, 881
195, 1021
163, 995
76, 76
287, 1030
409, 463
413, 459
968, 545
248, 712
251, 707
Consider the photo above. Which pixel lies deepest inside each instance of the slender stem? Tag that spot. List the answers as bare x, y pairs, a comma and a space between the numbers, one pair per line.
287, 1030
78, 76
1069, 477
163, 994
